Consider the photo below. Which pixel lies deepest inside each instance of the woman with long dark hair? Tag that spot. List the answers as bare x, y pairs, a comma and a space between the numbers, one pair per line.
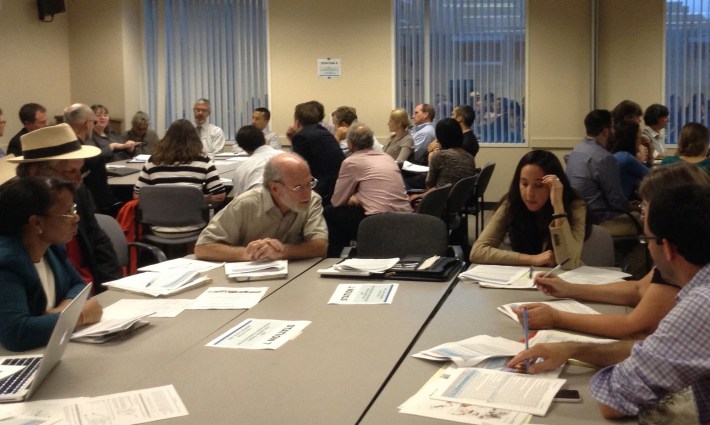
543, 217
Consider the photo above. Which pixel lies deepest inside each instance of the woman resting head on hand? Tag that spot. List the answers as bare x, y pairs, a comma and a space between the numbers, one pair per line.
37, 281
543, 217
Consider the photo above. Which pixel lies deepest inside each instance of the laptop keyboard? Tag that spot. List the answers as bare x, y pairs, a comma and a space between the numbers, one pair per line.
16, 382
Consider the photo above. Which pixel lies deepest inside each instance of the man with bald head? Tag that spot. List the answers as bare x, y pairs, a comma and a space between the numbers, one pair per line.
282, 219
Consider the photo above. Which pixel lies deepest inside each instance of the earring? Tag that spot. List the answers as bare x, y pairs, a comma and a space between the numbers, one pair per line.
40, 230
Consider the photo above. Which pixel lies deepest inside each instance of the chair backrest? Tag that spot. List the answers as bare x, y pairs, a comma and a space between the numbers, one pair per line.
171, 205
389, 235
460, 194
484, 177
598, 249
434, 202
113, 230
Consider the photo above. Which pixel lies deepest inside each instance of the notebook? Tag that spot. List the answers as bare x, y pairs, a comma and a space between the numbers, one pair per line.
21, 385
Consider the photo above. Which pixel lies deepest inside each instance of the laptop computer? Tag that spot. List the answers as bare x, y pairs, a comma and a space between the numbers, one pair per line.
20, 385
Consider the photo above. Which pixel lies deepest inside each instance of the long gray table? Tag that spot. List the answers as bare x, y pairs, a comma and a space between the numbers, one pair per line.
328, 375
224, 167
116, 366
467, 312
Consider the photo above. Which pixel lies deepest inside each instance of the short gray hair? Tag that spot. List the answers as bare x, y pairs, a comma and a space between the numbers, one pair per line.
360, 136
272, 173
139, 117
76, 114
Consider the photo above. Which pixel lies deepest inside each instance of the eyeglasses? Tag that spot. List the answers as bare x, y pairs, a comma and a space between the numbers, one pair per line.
301, 187
73, 212
644, 239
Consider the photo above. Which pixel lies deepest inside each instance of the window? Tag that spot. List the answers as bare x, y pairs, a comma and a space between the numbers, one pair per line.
453, 52
214, 49
687, 64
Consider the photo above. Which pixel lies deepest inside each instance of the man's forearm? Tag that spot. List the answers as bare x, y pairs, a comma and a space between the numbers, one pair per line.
314, 248
601, 354
218, 251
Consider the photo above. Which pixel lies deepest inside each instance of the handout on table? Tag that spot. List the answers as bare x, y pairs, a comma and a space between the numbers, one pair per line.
472, 351
218, 298
159, 283
260, 334
181, 264
504, 390
421, 404
506, 277
245, 271
593, 275
360, 267
105, 330
570, 306
154, 307
364, 293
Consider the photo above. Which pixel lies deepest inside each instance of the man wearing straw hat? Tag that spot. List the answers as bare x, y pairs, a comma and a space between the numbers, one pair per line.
55, 151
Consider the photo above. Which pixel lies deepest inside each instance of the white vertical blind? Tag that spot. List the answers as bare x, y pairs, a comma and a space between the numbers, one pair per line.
476, 51
687, 64
214, 49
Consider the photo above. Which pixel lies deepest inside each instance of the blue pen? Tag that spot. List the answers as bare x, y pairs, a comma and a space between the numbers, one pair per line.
525, 334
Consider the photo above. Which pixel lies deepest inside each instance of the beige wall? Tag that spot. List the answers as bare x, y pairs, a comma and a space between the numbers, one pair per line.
34, 62
302, 31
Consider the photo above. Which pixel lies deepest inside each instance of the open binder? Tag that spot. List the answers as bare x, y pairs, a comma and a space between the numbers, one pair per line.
423, 268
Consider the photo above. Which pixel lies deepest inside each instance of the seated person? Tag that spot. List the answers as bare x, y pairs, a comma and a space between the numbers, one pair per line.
113, 148
692, 146
651, 296
448, 161
629, 155
37, 217
141, 134
260, 119
179, 160
250, 173
542, 215
401, 144
283, 219
638, 374
369, 183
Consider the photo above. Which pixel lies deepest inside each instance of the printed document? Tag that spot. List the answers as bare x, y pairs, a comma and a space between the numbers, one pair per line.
125, 308
503, 390
365, 293
260, 334
570, 306
593, 276
421, 404
245, 271
506, 277
181, 264
105, 330
160, 283
472, 351
217, 298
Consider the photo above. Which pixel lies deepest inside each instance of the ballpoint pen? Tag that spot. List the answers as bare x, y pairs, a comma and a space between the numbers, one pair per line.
530, 274
557, 267
525, 335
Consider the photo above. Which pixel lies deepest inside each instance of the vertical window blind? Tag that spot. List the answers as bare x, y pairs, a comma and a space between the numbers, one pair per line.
214, 49
687, 64
454, 52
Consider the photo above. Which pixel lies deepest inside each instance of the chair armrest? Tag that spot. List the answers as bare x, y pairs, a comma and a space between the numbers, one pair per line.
457, 252
348, 252
157, 253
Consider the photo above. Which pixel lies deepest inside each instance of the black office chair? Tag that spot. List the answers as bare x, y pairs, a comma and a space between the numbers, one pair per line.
113, 230
476, 205
598, 249
171, 207
390, 235
434, 202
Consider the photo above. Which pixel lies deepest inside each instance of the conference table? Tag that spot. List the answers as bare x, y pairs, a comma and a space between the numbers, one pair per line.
350, 365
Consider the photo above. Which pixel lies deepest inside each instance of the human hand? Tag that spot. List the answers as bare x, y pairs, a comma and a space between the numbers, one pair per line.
341, 133
553, 355
131, 145
540, 316
91, 312
265, 249
544, 259
353, 201
553, 286
553, 183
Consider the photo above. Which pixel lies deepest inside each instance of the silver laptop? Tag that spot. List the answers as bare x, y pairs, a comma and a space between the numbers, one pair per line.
21, 385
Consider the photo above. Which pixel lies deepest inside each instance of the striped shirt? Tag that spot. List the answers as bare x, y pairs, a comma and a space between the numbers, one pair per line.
200, 173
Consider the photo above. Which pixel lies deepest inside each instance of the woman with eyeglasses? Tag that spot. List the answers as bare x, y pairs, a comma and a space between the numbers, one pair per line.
37, 217
113, 148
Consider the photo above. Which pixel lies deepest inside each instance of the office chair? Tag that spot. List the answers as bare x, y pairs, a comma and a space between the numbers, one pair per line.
476, 206
598, 249
434, 202
113, 230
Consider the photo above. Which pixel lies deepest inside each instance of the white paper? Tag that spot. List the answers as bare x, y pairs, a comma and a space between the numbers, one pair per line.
50, 410
510, 391
260, 334
217, 298
25, 420
126, 308
105, 328
414, 168
592, 276
472, 351
364, 293
551, 335
245, 271
140, 158
421, 404
181, 264
159, 283
131, 407
373, 265
501, 275
7, 370
570, 306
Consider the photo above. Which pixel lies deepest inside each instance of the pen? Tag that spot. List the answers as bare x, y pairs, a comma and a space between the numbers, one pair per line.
530, 274
525, 334
557, 267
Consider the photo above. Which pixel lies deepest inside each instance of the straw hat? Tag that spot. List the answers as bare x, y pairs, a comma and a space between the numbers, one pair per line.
7, 169
53, 143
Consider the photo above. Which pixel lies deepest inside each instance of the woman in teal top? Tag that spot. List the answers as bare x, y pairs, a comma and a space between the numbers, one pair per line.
692, 146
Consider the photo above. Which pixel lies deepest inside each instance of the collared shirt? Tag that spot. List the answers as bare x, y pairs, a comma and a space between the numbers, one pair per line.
272, 139
254, 215
250, 173
594, 174
212, 138
658, 140
423, 135
676, 355
375, 180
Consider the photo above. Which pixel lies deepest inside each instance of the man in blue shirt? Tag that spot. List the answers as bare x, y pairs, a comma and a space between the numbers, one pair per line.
423, 131
677, 354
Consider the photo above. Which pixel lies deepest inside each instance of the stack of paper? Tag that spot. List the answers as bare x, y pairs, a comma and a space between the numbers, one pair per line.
593, 276
507, 277
159, 283
106, 330
472, 351
181, 264
360, 267
570, 306
245, 271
